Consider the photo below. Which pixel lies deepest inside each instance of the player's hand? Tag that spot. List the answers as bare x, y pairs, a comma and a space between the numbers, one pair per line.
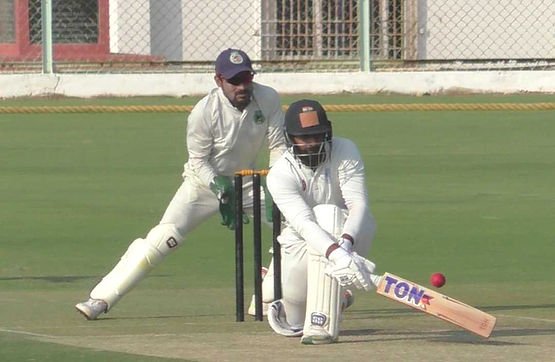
350, 269
364, 264
222, 187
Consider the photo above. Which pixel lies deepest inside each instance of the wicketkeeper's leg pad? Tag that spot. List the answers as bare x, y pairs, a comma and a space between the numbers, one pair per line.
141, 256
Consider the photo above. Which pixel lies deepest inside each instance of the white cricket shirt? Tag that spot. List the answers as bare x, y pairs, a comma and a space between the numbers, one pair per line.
222, 140
340, 181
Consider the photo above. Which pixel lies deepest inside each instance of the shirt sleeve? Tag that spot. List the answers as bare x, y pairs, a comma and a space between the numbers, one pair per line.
200, 142
353, 187
276, 138
298, 214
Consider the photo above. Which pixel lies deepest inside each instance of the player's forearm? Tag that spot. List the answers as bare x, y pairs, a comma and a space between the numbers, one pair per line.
309, 230
356, 200
316, 237
359, 219
203, 170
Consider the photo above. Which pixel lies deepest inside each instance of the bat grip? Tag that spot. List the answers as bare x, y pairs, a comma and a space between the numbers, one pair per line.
376, 279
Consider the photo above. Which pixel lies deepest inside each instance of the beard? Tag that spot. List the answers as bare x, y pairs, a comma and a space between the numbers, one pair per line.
242, 99
312, 157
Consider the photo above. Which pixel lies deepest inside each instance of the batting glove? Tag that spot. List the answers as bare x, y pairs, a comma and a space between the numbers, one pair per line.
350, 269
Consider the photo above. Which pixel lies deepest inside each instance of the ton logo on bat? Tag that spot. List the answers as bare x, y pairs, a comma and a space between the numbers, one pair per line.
407, 292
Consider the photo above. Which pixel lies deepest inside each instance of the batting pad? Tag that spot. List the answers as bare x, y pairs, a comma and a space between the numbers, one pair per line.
323, 302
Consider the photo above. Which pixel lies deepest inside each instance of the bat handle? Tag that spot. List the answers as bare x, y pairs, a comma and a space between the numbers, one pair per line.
376, 279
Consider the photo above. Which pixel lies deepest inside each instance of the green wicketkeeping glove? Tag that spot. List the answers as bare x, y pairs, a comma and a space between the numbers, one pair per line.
222, 187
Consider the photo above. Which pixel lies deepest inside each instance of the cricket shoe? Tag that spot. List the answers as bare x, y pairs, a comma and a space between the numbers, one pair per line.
278, 321
317, 335
265, 306
92, 308
252, 307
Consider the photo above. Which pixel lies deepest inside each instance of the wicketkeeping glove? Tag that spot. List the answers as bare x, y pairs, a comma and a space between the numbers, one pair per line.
350, 269
222, 187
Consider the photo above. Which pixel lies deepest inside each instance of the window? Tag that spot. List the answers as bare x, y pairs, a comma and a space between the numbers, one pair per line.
74, 21
311, 28
7, 24
80, 29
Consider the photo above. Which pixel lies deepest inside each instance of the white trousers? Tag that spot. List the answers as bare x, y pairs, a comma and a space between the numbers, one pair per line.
294, 273
192, 204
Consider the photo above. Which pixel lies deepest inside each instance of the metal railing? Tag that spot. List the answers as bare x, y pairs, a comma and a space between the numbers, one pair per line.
117, 36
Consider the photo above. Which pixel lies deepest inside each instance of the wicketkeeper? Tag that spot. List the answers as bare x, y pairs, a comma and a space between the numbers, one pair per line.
319, 186
226, 131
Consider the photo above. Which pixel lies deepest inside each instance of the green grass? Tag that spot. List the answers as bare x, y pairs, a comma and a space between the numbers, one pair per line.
18, 349
469, 194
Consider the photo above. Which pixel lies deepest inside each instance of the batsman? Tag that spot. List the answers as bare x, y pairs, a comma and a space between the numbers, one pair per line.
319, 186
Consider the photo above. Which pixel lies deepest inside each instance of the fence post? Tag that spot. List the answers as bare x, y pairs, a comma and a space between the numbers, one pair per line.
46, 25
364, 35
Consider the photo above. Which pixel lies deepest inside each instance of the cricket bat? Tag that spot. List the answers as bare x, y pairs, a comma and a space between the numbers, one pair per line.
434, 303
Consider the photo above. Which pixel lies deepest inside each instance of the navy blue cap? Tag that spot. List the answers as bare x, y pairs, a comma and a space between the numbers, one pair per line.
231, 62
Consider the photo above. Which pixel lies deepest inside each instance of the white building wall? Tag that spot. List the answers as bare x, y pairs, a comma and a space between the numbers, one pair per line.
203, 27
411, 83
166, 29
469, 29
130, 27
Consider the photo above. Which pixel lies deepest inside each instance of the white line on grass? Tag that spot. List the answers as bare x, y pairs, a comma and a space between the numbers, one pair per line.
49, 336
528, 318
25, 333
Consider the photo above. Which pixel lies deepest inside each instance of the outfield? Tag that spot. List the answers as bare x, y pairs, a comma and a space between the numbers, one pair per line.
470, 194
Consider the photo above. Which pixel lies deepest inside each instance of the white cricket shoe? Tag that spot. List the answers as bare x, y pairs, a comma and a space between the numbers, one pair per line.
252, 308
317, 335
278, 321
92, 308
265, 306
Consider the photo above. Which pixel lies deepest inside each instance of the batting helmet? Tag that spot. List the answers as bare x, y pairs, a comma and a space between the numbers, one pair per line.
306, 120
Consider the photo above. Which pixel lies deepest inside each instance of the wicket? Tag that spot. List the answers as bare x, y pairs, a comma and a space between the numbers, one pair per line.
257, 245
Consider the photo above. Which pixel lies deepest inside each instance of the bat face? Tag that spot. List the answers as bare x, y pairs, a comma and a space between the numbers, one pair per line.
436, 304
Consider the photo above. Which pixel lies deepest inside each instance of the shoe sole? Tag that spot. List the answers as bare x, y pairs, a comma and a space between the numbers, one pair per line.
84, 314
313, 340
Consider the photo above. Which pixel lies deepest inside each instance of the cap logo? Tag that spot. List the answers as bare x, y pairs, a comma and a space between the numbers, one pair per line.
309, 119
235, 58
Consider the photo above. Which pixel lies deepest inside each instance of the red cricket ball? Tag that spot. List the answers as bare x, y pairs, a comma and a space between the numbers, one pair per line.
437, 280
